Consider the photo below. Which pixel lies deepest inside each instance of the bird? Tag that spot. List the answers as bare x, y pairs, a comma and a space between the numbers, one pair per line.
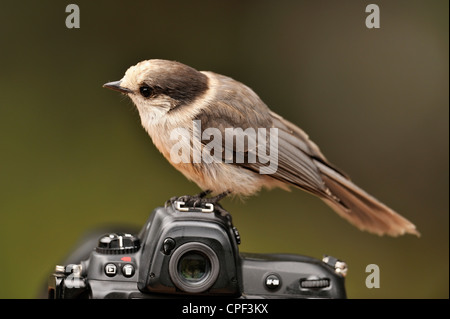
173, 97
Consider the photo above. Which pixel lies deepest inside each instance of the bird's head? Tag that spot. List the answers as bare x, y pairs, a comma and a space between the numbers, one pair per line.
162, 84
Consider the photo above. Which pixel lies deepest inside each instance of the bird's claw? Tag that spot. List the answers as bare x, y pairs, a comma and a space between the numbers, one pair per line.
198, 200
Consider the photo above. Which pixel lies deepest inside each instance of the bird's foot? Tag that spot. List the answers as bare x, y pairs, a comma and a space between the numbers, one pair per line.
201, 200
187, 198
198, 200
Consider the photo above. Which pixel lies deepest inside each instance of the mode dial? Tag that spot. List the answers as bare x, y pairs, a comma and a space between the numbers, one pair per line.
118, 243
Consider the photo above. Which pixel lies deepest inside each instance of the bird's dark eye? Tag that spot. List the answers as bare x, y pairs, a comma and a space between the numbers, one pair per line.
145, 90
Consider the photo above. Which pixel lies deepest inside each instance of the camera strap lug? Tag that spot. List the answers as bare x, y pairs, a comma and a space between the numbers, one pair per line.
209, 208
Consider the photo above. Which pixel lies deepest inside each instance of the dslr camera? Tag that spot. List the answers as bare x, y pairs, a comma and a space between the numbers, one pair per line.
191, 251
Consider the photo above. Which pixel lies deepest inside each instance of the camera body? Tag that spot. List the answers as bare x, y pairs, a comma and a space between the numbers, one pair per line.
184, 251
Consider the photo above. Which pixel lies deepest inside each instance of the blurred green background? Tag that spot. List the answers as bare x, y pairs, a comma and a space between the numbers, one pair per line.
74, 156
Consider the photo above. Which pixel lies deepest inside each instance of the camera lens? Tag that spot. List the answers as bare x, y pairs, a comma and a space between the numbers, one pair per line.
194, 267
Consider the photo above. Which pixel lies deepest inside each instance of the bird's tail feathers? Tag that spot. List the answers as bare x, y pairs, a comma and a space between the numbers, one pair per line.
361, 209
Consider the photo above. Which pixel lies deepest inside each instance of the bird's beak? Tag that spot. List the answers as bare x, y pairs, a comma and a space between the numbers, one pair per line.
116, 87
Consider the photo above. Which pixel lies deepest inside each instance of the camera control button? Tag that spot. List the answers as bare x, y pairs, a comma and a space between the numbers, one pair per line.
168, 245
236, 235
110, 270
272, 282
128, 270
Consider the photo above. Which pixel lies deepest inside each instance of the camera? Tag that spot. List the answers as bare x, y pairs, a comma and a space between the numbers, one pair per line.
191, 251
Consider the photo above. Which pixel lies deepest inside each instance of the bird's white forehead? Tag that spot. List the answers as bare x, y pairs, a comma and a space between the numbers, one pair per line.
136, 74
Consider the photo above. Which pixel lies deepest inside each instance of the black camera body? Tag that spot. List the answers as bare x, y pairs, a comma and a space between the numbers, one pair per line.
184, 251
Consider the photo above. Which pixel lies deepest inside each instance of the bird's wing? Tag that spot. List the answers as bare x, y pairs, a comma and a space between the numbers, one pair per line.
239, 108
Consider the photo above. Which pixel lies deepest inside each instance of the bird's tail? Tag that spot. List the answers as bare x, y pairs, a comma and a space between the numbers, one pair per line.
360, 208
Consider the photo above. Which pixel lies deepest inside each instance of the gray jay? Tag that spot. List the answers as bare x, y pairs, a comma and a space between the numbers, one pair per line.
200, 121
